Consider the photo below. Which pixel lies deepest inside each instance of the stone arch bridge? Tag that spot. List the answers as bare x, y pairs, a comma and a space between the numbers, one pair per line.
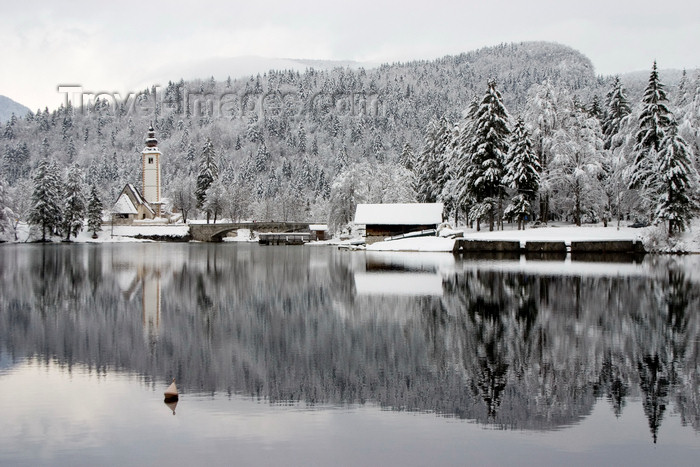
215, 232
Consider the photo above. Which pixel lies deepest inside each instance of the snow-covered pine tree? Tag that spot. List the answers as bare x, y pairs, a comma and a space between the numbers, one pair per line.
689, 119
654, 121
314, 146
94, 212
406, 159
301, 136
262, 159
443, 149
45, 211
522, 173
594, 109
488, 149
426, 165
341, 160
683, 92
431, 167
459, 160
616, 108
208, 172
678, 185
74, 205
4, 212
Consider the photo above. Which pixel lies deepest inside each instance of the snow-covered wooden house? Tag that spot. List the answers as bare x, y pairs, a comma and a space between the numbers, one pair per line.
388, 220
131, 206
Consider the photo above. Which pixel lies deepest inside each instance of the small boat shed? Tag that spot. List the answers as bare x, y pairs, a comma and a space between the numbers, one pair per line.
389, 220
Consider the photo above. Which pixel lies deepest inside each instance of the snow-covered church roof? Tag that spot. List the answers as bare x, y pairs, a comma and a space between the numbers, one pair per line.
399, 214
136, 193
124, 205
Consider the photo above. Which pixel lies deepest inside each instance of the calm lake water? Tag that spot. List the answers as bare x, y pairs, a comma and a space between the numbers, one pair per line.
313, 356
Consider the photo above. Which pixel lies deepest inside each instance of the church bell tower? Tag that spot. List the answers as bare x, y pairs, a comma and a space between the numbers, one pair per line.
151, 172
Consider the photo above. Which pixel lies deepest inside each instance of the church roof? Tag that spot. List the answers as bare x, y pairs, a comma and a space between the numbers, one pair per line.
124, 205
136, 193
134, 198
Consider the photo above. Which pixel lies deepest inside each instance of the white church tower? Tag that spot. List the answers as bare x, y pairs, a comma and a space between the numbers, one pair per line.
151, 172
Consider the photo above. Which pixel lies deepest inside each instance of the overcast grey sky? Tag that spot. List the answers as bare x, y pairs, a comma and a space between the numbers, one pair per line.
115, 47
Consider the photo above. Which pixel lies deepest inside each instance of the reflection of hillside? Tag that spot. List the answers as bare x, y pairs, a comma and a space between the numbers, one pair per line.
509, 348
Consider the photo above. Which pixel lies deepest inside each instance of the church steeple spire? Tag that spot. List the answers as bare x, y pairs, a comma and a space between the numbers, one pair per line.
151, 141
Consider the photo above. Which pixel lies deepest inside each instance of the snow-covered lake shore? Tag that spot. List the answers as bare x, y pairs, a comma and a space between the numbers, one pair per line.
653, 237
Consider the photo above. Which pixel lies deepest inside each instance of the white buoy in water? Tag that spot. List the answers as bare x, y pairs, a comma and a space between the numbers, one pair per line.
171, 392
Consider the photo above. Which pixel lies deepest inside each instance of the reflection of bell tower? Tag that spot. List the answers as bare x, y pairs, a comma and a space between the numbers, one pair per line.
151, 172
150, 289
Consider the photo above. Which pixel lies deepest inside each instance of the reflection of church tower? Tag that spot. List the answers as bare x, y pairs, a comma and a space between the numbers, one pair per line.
151, 172
150, 290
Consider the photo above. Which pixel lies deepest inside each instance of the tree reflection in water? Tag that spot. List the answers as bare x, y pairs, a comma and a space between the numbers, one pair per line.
511, 348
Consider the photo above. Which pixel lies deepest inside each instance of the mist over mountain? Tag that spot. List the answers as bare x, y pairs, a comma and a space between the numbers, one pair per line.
9, 107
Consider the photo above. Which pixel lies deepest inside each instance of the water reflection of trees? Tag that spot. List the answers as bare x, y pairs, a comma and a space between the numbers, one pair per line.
506, 348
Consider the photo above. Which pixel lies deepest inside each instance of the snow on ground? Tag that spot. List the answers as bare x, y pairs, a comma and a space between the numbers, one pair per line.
654, 238
558, 232
243, 235
171, 230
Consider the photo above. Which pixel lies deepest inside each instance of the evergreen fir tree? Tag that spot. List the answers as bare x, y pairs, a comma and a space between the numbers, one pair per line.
341, 161
94, 212
208, 172
301, 135
406, 159
459, 160
678, 183
426, 165
616, 108
45, 211
74, 205
653, 124
594, 109
314, 146
431, 167
4, 211
488, 149
522, 173
683, 94
262, 159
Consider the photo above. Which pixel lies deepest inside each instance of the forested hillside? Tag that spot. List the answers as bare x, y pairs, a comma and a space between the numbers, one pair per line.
286, 142
9, 107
